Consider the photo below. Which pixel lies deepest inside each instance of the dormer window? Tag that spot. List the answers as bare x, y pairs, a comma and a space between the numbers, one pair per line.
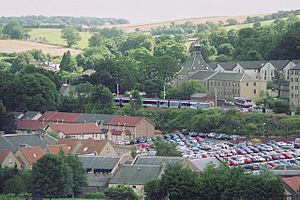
34, 155
85, 148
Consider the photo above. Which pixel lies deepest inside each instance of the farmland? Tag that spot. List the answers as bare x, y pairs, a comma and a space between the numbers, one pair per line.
53, 36
16, 46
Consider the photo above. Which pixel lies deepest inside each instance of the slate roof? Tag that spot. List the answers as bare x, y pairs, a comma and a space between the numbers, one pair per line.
224, 76
34, 125
213, 66
13, 142
75, 128
51, 116
97, 118
279, 64
99, 162
89, 72
198, 61
293, 182
30, 114
127, 120
296, 61
3, 155
297, 67
252, 64
158, 160
228, 66
136, 174
202, 75
32, 154
17, 115
200, 164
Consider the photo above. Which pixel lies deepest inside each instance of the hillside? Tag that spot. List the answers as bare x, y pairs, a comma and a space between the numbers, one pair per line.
147, 27
16, 46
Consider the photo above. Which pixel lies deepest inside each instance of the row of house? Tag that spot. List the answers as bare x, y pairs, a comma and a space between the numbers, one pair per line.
84, 126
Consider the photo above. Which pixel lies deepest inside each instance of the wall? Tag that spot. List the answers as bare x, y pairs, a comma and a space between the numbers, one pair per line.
108, 150
224, 89
294, 89
267, 72
145, 129
11, 161
247, 88
26, 164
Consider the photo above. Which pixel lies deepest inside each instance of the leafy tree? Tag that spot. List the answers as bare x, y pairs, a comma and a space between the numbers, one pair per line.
137, 40
185, 90
13, 30
232, 22
52, 177
15, 185
102, 100
172, 49
96, 40
68, 63
165, 149
120, 192
5, 175
226, 49
154, 191
78, 173
70, 35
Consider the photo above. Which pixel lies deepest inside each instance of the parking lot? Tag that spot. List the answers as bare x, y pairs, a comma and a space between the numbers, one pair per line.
272, 155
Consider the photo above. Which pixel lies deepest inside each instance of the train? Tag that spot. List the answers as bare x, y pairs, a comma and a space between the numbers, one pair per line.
164, 103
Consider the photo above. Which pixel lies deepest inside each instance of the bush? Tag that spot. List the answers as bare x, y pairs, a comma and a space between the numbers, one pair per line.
94, 195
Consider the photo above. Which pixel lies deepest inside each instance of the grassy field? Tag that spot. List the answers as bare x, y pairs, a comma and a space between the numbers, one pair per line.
17, 46
53, 36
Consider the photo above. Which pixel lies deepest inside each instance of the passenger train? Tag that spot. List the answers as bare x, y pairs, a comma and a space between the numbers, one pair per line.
164, 103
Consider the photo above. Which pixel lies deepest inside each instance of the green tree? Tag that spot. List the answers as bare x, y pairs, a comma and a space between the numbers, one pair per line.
231, 22
165, 149
70, 35
78, 173
68, 63
173, 49
120, 192
13, 30
51, 177
137, 40
15, 185
102, 100
185, 90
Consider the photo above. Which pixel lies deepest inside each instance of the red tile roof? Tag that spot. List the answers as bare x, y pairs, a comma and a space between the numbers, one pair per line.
32, 154
126, 120
75, 128
34, 125
293, 182
3, 155
86, 146
51, 116
55, 149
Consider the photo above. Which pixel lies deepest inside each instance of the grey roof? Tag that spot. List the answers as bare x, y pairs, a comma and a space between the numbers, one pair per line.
30, 114
247, 77
158, 160
198, 61
296, 61
201, 75
99, 162
286, 172
89, 72
213, 65
297, 67
224, 76
252, 64
136, 174
14, 141
279, 64
99, 180
228, 66
200, 164
98, 118
17, 115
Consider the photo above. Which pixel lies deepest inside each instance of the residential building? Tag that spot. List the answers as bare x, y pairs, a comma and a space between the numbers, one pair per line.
8, 159
89, 147
135, 176
29, 155
295, 87
32, 115
282, 66
77, 130
229, 85
258, 70
134, 126
198, 165
13, 142
291, 186
28, 125
100, 164
56, 149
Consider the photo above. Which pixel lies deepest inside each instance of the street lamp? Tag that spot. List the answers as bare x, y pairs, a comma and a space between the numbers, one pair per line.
264, 124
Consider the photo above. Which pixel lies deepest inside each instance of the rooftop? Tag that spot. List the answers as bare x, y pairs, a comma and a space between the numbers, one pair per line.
202, 163
297, 67
97, 118
279, 64
75, 128
158, 160
202, 75
224, 76
33, 125
126, 120
3, 155
51, 116
32, 154
136, 174
293, 182
252, 64
99, 162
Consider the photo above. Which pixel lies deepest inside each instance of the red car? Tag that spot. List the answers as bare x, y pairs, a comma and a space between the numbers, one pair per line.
199, 139
275, 157
232, 162
287, 155
247, 160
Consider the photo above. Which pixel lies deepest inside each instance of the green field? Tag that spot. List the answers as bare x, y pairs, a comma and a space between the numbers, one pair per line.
53, 36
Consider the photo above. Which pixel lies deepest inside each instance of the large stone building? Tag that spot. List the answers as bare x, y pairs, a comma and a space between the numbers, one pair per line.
295, 87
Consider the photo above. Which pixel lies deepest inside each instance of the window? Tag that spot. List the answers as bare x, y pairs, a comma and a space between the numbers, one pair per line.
296, 79
133, 186
296, 96
292, 87
247, 84
254, 83
296, 87
292, 95
85, 148
228, 83
254, 91
292, 80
